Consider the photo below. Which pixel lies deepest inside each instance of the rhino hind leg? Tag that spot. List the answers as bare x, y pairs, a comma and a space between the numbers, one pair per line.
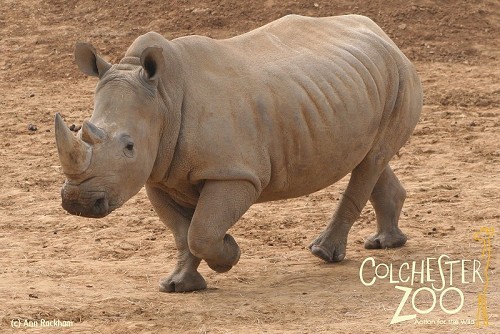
387, 199
330, 245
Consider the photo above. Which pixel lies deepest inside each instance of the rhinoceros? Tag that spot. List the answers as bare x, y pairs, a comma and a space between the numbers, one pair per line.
211, 127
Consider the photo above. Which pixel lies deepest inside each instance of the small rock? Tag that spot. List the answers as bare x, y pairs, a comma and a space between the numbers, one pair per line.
74, 127
31, 95
200, 10
316, 5
32, 127
32, 295
402, 26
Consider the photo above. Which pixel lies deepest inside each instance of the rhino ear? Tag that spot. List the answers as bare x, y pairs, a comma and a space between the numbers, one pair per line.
89, 61
152, 62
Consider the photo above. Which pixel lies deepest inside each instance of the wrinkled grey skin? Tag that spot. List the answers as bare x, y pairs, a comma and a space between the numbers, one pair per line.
212, 126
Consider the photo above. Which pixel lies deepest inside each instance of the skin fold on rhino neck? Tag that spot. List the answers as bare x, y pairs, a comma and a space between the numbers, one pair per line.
170, 113
170, 95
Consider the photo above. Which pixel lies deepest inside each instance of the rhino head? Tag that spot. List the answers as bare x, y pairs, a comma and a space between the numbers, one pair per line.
113, 154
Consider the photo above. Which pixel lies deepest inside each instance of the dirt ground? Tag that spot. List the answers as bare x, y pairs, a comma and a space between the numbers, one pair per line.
102, 274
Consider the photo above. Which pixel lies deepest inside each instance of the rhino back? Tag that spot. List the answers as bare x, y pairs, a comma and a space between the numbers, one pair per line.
291, 107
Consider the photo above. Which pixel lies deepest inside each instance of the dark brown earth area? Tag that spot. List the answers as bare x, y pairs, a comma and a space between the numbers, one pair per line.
103, 274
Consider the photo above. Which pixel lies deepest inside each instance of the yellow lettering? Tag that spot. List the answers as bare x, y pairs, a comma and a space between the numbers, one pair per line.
361, 271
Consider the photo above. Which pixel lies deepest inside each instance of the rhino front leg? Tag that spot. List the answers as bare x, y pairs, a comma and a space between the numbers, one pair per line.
387, 199
221, 204
331, 244
185, 276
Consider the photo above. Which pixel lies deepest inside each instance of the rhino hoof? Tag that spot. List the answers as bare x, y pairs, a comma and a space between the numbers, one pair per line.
220, 268
183, 283
223, 267
386, 240
326, 254
322, 253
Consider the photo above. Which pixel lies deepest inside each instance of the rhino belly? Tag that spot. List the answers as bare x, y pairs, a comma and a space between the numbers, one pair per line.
312, 172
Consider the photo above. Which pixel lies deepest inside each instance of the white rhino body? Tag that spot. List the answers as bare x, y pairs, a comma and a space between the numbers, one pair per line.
279, 112
291, 107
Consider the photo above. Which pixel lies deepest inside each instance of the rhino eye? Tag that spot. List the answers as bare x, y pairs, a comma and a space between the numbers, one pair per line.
129, 150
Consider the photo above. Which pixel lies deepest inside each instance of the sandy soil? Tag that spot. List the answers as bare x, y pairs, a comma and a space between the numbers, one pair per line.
103, 274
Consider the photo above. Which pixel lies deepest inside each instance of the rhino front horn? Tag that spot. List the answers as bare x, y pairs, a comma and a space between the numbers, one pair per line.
74, 154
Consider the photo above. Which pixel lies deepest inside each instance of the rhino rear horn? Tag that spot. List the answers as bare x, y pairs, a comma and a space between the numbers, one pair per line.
92, 134
74, 154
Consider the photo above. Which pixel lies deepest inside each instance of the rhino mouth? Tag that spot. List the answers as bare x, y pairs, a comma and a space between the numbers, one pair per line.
79, 201
95, 206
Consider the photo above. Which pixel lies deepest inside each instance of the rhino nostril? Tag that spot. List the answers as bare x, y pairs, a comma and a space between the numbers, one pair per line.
101, 204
